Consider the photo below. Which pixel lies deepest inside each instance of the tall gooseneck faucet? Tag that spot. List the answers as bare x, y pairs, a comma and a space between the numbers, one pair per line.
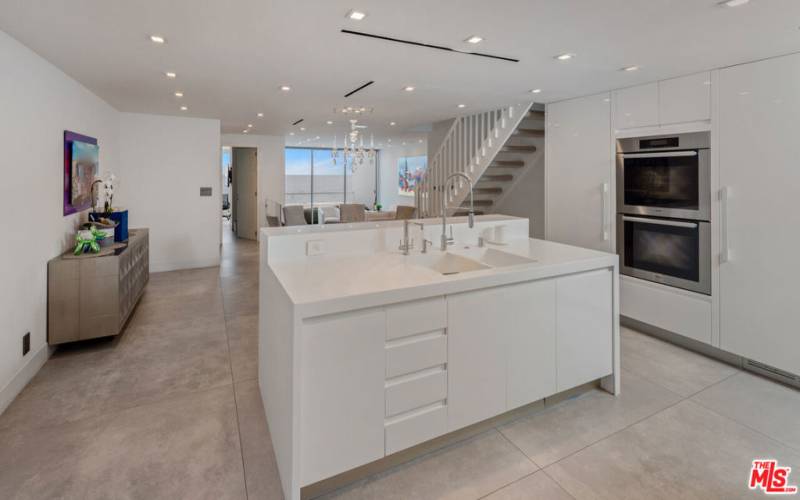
445, 240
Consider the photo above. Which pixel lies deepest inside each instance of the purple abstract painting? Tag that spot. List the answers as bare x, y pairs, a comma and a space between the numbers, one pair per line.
79, 171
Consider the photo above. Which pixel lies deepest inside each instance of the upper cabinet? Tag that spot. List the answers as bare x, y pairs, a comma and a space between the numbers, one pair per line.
678, 100
636, 106
685, 99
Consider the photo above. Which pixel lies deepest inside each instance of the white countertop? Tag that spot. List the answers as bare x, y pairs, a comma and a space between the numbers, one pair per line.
329, 284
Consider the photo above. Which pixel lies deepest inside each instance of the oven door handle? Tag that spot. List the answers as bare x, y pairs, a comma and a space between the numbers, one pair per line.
665, 154
660, 222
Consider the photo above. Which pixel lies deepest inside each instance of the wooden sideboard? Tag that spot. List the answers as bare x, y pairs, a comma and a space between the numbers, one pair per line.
93, 297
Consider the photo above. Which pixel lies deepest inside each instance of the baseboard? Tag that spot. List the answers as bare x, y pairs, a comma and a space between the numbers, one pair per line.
23, 376
175, 265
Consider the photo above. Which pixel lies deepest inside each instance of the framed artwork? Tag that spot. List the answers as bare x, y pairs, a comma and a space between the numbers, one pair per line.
410, 170
81, 166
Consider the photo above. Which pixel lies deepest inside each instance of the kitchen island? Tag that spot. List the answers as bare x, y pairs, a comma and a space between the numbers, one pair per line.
365, 352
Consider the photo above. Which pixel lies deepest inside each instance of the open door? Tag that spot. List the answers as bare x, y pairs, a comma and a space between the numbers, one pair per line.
245, 192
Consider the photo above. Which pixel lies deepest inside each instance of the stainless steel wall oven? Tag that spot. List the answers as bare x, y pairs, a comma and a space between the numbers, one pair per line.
664, 209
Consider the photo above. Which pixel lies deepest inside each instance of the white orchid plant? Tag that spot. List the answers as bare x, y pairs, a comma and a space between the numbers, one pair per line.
108, 192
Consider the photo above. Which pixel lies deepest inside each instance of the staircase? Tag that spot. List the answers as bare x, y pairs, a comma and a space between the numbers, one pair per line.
493, 148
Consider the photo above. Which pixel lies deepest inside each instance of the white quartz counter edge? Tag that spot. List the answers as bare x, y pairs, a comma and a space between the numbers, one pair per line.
586, 260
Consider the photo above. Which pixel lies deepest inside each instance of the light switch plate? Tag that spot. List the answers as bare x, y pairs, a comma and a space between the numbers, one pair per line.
315, 247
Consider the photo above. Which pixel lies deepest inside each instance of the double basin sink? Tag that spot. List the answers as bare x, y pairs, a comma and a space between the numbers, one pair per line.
477, 259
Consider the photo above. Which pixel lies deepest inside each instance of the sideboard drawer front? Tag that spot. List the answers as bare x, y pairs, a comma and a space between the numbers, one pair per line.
416, 428
415, 391
416, 317
413, 354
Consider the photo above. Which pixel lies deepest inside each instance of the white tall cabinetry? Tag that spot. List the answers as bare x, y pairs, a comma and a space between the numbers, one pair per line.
759, 152
579, 172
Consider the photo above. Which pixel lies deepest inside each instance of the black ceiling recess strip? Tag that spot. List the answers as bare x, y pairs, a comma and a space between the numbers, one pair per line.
427, 45
298, 121
359, 88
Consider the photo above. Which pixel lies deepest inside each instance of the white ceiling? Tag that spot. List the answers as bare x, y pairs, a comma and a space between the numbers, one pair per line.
232, 56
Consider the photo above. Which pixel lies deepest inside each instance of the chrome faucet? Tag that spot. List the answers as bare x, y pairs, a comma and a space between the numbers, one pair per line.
405, 244
445, 240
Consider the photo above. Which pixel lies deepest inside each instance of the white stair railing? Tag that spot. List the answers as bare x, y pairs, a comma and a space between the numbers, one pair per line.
469, 147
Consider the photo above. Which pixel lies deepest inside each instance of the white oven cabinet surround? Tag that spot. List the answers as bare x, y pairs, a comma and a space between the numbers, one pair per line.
363, 354
685, 99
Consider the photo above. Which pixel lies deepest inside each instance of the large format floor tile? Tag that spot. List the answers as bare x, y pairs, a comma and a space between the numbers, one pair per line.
756, 402
463, 471
679, 370
260, 467
243, 342
685, 452
186, 447
558, 431
537, 486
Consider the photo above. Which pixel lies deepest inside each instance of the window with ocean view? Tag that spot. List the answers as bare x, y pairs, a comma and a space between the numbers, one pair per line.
313, 178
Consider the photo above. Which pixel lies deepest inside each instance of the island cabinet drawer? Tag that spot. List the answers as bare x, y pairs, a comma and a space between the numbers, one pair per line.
405, 431
414, 391
419, 316
412, 354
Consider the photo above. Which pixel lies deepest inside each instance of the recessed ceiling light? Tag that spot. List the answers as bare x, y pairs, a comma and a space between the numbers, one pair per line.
179, 94
249, 125
291, 133
462, 105
317, 137
420, 141
286, 88
329, 122
474, 39
630, 68
389, 140
536, 91
564, 57
158, 39
302, 129
392, 124
409, 88
734, 3
356, 15
245, 131
184, 108
260, 115
171, 74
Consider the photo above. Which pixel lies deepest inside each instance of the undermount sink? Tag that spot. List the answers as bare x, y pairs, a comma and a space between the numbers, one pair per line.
497, 258
447, 263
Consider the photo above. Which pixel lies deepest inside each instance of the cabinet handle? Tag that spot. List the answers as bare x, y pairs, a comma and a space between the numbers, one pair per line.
606, 225
724, 252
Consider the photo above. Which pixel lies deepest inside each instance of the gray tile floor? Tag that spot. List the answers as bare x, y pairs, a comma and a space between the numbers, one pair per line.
171, 409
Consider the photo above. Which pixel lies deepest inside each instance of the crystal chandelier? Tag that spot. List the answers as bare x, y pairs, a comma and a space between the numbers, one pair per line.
353, 148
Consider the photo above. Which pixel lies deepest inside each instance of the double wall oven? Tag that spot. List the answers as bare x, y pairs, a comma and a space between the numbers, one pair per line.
664, 209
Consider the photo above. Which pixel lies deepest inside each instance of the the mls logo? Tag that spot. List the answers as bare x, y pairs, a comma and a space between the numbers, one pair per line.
772, 478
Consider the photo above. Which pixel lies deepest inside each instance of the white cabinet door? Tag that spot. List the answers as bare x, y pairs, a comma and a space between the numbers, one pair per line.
501, 345
476, 356
342, 393
584, 328
578, 172
760, 165
685, 99
531, 330
636, 106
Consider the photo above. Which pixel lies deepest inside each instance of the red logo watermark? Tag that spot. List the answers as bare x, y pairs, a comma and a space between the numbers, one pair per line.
771, 477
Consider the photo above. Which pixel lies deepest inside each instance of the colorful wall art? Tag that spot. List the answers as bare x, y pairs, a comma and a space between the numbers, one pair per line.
410, 170
81, 167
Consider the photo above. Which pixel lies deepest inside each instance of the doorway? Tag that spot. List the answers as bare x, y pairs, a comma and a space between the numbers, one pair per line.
244, 190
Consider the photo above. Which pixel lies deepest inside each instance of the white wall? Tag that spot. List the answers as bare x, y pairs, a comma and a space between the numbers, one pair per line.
390, 195
271, 169
526, 196
37, 103
164, 160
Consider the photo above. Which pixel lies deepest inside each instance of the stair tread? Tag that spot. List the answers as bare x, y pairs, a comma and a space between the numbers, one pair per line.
507, 163
487, 190
511, 148
535, 114
478, 203
496, 177
529, 132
